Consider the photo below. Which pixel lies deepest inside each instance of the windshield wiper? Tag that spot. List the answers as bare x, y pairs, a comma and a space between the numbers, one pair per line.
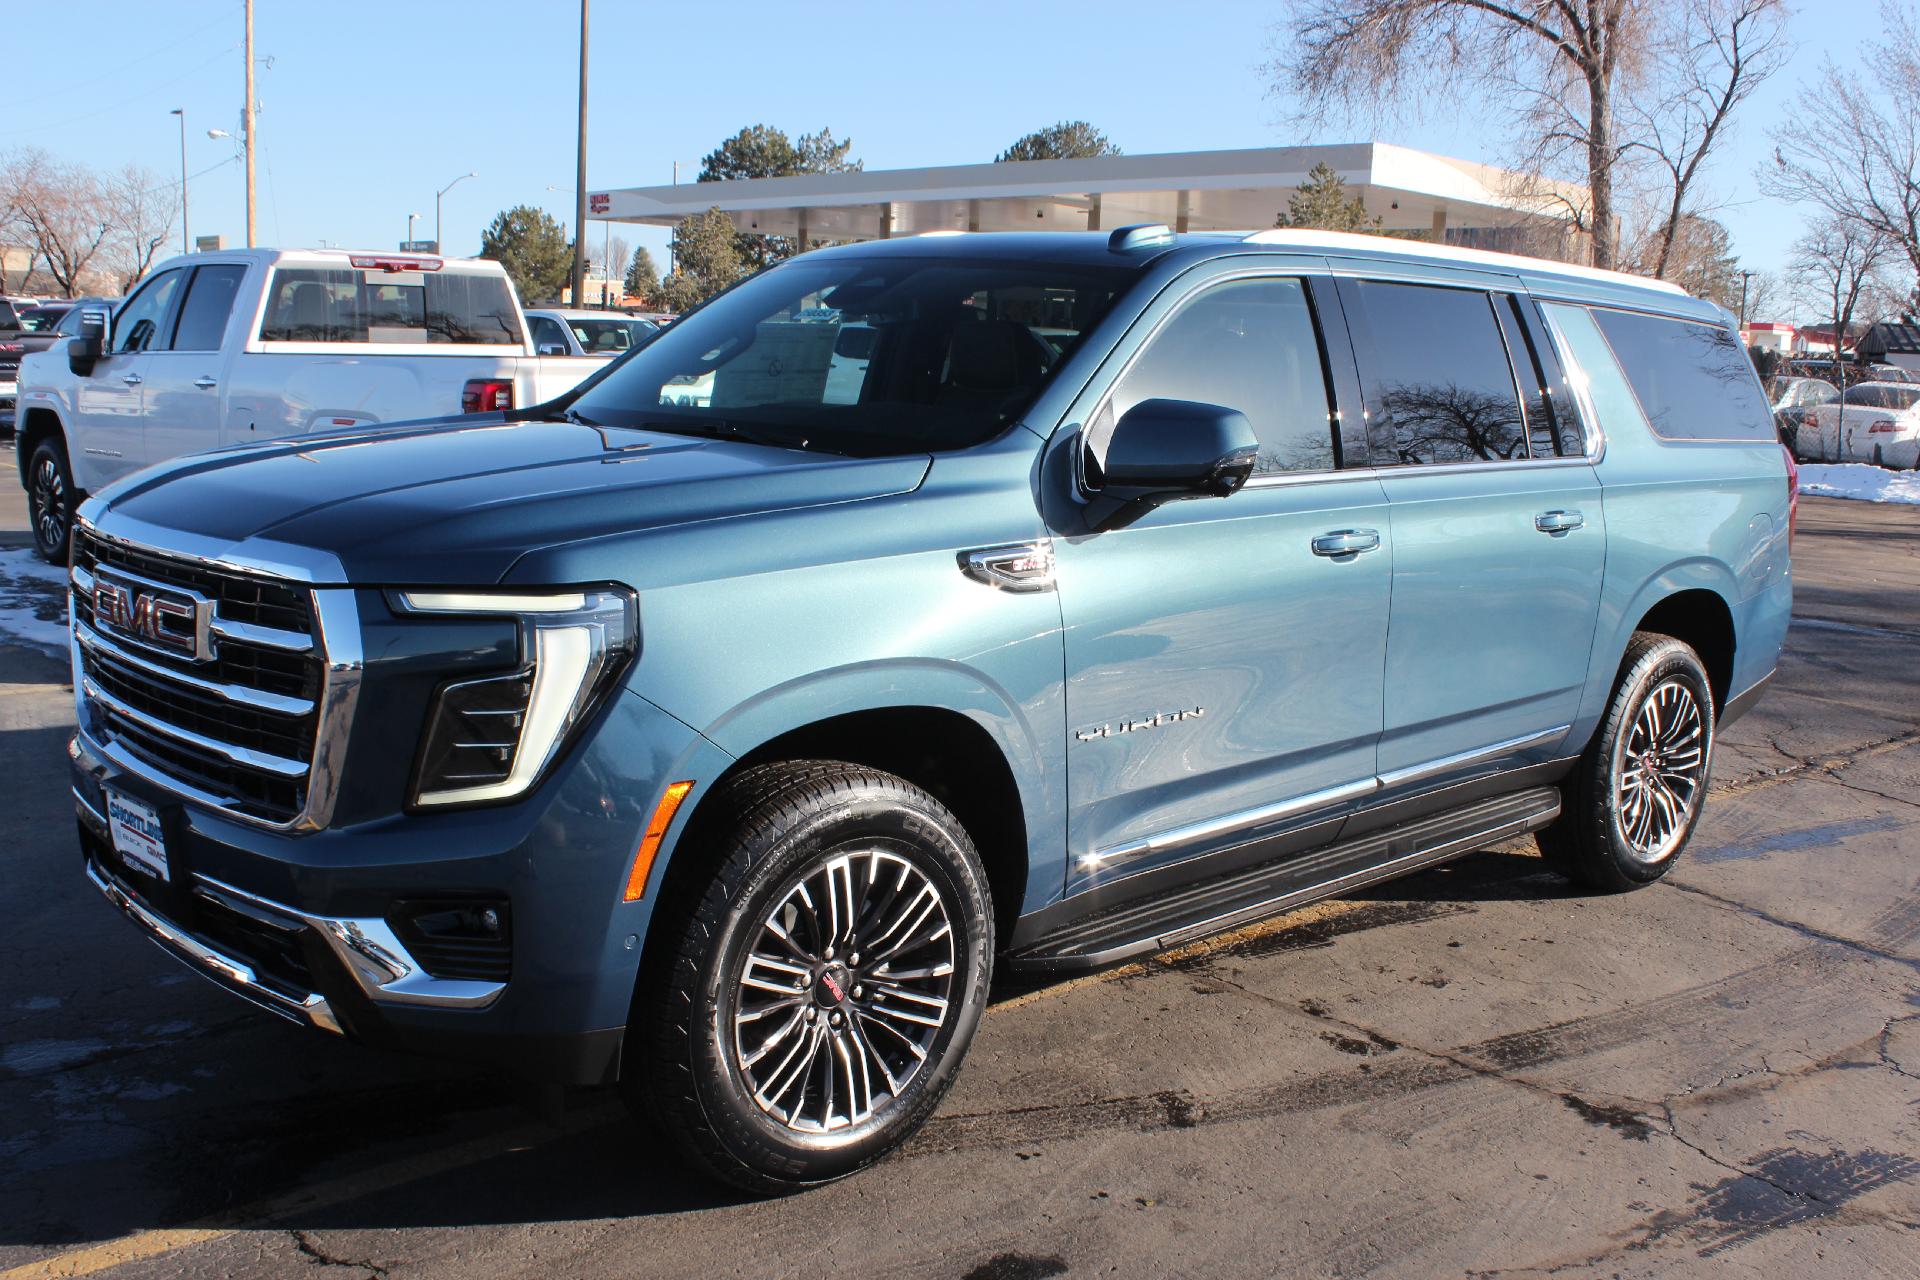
723, 429
578, 418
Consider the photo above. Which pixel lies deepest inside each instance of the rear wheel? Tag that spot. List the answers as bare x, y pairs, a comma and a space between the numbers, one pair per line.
1634, 797
823, 984
50, 500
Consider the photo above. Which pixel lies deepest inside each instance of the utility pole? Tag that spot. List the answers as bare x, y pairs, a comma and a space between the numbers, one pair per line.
186, 245
246, 124
580, 175
1744, 277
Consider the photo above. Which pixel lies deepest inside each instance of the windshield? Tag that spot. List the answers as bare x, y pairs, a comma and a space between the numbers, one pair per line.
866, 356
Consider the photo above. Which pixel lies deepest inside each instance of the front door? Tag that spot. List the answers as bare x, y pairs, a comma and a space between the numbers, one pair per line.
110, 403
1498, 531
1223, 655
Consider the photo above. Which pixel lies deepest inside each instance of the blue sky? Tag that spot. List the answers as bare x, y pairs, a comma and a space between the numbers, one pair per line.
368, 108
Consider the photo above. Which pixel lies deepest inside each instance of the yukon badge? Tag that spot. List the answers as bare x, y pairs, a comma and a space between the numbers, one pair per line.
1135, 726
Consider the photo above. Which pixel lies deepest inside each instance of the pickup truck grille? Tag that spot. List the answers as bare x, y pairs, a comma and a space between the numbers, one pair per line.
240, 725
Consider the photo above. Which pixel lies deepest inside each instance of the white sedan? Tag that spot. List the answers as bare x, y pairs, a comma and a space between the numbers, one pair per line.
1877, 422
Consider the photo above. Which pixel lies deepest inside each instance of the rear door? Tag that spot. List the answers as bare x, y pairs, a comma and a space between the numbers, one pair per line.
184, 375
1498, 529
1223, 655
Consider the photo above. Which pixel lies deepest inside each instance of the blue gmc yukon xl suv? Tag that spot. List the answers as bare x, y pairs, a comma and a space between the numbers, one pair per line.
722, 728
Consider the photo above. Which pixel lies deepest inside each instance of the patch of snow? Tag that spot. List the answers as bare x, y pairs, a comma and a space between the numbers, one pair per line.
1859, 481
33, 602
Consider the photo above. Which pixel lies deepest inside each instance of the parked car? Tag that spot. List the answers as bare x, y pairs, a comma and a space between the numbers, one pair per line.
40, 329
728, 751
585, 333
1791, 399
251, 344
11, 309
1876, 422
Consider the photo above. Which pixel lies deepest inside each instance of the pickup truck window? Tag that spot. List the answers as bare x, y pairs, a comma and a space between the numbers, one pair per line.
958, 350
547, 332
209, 301
1250, 345
138, 323
1438, 364
308, 304
1693, 380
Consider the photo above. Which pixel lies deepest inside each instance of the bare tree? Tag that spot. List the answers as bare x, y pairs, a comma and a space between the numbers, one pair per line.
1838, 265
1713, 59
1847, 153
65, 211
20, 171
1561, 62
140, 210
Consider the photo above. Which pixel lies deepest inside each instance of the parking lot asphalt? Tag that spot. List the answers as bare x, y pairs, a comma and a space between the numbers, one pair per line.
1477, 1071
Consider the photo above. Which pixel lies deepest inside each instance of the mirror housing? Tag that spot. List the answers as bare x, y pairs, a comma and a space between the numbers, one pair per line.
1164, 450
86, 347
551, 349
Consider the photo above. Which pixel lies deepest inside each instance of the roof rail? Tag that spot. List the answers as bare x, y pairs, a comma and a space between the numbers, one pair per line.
1347, 240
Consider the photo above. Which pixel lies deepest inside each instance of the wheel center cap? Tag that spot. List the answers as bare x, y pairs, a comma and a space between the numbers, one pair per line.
835, 981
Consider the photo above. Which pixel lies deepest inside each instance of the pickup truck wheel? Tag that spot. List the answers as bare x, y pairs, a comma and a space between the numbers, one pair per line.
50, 500
823, 984
1634, 797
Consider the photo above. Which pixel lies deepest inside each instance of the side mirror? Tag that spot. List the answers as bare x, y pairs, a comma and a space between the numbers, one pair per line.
89, 342
552, 349
1162, 450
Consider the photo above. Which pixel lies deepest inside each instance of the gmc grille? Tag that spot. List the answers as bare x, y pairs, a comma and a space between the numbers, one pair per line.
240, 727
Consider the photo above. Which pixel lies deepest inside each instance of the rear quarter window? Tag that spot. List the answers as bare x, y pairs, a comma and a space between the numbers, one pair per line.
1693, 380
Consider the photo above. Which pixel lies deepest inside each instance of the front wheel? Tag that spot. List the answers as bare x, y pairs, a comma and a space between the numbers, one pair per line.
822, 985
50, 500
1636, 793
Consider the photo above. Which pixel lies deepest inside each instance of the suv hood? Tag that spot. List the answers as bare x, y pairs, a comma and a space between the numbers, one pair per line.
458, 501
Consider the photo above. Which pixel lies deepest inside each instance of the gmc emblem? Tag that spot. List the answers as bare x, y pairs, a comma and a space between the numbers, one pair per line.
173, 623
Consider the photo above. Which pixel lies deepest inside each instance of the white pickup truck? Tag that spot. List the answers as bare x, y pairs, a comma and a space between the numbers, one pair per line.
221, 348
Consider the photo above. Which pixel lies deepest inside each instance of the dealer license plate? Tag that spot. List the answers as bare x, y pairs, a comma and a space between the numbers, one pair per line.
137, 836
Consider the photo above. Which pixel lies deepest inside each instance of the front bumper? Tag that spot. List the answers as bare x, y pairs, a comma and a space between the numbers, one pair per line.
9, 405
305, 926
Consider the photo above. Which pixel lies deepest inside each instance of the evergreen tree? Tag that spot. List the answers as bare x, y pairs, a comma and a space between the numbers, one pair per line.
1068, 140
706, 259
1322, 203
533, 248
643, 278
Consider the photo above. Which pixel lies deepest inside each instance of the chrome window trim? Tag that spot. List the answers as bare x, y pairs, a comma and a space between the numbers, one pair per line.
1415, 773
1595, 433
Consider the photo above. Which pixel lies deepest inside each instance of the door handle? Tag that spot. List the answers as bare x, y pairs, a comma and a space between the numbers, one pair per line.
132, 379
1346, 542
205, 383
1557, 522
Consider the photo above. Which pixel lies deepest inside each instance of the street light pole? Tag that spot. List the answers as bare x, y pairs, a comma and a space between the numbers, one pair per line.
185, 243
247, 123
411, 218
1744, 277
439, 245
580, 175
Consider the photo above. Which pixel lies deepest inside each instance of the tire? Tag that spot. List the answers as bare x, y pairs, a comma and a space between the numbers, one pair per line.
811, 844
1632, 801
51, 500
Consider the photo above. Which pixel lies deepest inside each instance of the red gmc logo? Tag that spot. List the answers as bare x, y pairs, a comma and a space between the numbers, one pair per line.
162, 621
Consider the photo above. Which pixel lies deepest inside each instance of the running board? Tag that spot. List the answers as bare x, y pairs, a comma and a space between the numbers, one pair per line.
1240, 897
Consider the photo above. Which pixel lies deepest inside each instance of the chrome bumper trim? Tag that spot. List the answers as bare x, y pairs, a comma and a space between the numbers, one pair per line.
228, 972
377, 959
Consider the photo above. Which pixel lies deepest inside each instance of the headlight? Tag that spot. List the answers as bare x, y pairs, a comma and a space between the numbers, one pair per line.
490, 738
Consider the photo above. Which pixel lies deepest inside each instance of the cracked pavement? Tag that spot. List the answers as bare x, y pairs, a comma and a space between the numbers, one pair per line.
1476, 1071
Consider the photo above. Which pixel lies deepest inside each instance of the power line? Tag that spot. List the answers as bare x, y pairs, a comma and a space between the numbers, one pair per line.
64, 121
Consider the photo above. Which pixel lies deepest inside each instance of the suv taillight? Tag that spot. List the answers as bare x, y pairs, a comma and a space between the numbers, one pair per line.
484, 395
1793, 494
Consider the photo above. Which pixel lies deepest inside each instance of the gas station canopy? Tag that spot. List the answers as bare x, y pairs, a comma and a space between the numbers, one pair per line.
1459, 201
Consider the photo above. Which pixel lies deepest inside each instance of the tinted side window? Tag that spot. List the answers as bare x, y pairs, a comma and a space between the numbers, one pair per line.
1250, 345
209, 301
1693, 380
547, 333
1438, 367
332, 305
138, 323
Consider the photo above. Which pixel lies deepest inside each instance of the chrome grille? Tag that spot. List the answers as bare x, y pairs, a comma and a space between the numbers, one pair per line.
255, 726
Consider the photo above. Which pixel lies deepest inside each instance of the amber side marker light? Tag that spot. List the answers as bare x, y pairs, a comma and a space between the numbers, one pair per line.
669, 805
